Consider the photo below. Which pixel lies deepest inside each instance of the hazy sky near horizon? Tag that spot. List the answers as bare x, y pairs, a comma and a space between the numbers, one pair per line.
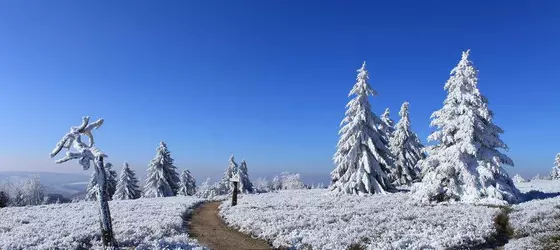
264, 80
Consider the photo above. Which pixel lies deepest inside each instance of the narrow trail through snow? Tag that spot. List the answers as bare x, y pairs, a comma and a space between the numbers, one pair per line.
211, 231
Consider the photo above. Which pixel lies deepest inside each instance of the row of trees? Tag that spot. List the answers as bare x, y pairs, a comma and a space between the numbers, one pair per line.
162, 180
29, 192
554, 173
373, 156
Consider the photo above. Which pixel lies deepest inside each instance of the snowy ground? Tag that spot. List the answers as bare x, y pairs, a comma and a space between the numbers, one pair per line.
536, 222
144, 223
314, 219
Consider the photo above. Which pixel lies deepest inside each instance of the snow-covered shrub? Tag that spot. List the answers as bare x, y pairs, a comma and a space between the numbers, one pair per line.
466, 163
363, 160
262, 185
287, 181
206, 190
518, 179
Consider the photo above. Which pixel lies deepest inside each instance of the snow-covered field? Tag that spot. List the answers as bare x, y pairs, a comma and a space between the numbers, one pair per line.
144, 223
536, 222
314, 219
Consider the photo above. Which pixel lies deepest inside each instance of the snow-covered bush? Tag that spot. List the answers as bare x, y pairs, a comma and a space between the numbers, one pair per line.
406, 148
518, 179
316, 219
162, 179
537, 177
287, 181
33, 192
262, 185
127, 187
466, 163
363, 160
206, 190
188, 184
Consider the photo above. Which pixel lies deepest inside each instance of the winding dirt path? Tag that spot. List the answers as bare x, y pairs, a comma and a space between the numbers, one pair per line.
207, 226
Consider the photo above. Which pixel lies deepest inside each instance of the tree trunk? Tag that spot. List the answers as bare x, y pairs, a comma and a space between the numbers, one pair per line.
107, 236
234, 196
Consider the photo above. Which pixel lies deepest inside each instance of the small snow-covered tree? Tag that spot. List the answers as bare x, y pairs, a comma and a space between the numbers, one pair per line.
162, 179
555, 173
245, 185
466, 163
205, 190
387, 124
406, 148
518, 179
4, 199
276, 183
225, 186
187, 185
291, 181
91, 189
536, 177
127, 186
362, 159
33, 191
110, 182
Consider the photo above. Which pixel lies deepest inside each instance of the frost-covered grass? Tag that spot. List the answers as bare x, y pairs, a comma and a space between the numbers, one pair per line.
315, 219
537, 222
144, 223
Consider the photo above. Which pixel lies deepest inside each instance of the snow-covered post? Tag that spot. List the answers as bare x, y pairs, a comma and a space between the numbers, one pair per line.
235, 180
85, 153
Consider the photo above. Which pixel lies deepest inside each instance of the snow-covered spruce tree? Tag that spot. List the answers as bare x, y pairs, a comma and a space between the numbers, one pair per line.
555, 173
466, 163
387, 124
518, 179
187, 186
245, 185
111, 182
127, 186
91, 189
162, 179
4, 199
205, 190
225, 186
362, 159
406, 148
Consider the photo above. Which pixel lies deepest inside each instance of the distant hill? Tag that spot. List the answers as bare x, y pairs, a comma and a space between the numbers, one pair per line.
64, 184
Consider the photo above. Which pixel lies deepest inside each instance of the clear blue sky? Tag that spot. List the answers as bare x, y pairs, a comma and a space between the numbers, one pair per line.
265, 80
